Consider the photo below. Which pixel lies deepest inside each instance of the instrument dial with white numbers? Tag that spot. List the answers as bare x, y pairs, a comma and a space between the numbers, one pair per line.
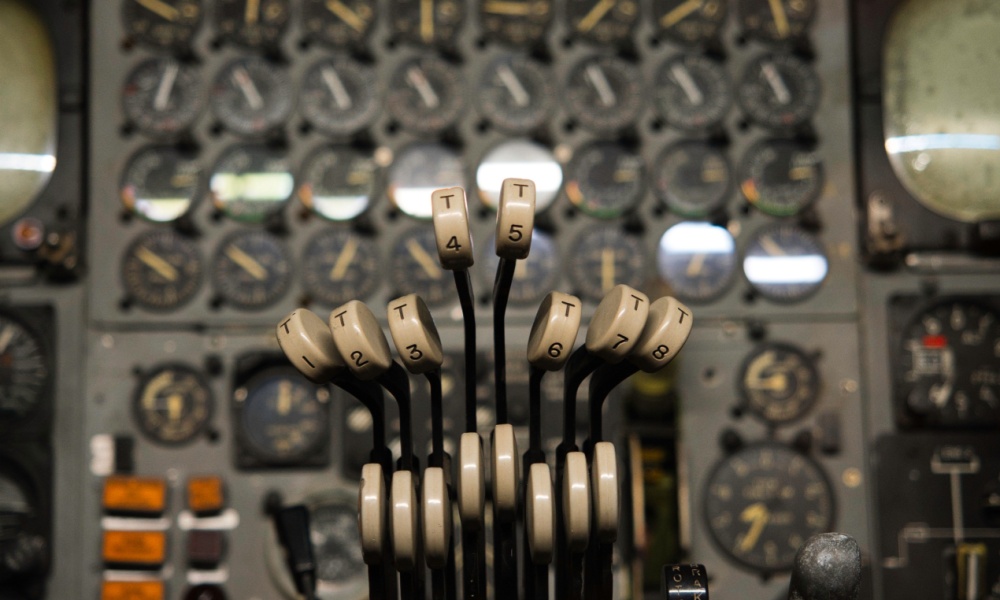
515, 93
338, 182
337, 266
162, 96
339, 95
283, 418
251, 96
692, 92
426, 94
251, 269
605, 256
161, 270
604, 93
160, 183
24, 368
162, 23
693, 178
779, 91
605, 180
416, 268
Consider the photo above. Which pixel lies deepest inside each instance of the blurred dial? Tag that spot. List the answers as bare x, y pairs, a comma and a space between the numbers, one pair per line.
162, 23
605, 180
251, 95
283, 417
173, 404
781, 177
519, 158
160, 183
427, 22
693, 178
426, 94
776, 20
337, 266
416, 268
419, 170
784, 263
17, 511
162, 96
604, 93
252, 23
534, 276
690, 21
249, 183
251, 269
339, 23
692, 91
161, 270
333, 530
697, 260
338, 182
605, 256
516, 93
779, 91
516, 22
602, 21
24, 369
339, 96
779, 383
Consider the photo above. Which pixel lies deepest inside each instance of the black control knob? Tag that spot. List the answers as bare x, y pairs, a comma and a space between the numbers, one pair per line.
684, 582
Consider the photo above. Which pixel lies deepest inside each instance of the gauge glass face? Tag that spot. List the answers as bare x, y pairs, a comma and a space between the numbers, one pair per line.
777, 20
427, 22
602, 21
785, 263
693, 179
337, 266
697, 260
950, 365
605, 180
690, 21
519, 158
160, 183
779, 383
692, 92
779, 91
333, 530
251, 95
339, 96
162, 23
763, 502
940, 102
416, 268
516, 22
604, 93
338, 183
604, 257
16, 508
252, 23
173, 404
339, 23
24, 369
161, 270
162, 96
284, 417
426, 94
515, 93
781, 177
251, 269
251, 182
534, 276
419, 170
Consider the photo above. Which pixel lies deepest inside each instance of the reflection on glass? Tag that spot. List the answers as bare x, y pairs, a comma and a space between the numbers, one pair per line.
250, 182
697, 260
160, 183
785, 270
522, 159
785, 263
418, 171
338, 183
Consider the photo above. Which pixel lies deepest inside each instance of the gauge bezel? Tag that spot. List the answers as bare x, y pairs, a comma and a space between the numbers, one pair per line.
176, 237
807, 406
280, 287
192, 111
176, 44
146, 378
38, 322
360, 293
797, 297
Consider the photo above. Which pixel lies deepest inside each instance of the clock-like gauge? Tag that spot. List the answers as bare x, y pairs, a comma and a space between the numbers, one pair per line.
784, 263
333, 529
420, 169
249, 183
605, 256
516, 93
949, 365
781, 177
337, 266
162, 96
339, 23
161, 270
604, 93
604, 22
779, 91
251, 269
427, 22
282, 418
776, 20
697, 260
162, 23
160, 183
690, 21
338, 182
779, 383
426, 94
24, 368
251, 95
534, 276
692, 91
519, 158
339, 95
516, 22
693, 178
173, 404
606, 180
416, 268
763, 502
252, 23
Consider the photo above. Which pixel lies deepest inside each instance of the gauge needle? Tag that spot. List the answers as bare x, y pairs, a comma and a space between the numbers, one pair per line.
758, 516
246, 262
780, 18
336, 87
344, 260
161, 8
8, 334
595, 15
346, 15
599, 80
157, 263
607, 269
939, 394
679, 12
513, 85
696, 265
427, 21
781, 93
284, 398
687, 83
514, 9
166, 86
246, 85
419, 82
175, 406
252, 12
773, 383
423, 259
771, 247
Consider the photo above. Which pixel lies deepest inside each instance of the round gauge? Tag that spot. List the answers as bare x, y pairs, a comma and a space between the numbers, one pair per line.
692, 91
251, 269
776, 20
173, 404
519, 158
690, 21
162, 96
161, 270
697, 260
283, 417
763, 502
249, 183
416, 268
693, 178
604, 93
602, 22
419, 170
252, 23
605, 256
333, 529
24, 368
426, 94
516, 22
779, 383
162, 23
251, 95
949, 365
784, 263
533, 277
515, 93
427, 22
338, 95
338, 182
781, 177
337, 266
779, 91
17, 509
605, 180
160, 183
339, 23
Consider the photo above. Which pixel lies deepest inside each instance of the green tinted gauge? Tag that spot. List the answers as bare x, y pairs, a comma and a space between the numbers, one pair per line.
605, 180
338, 182
251, 270
160, 183
605, 256
249, 183
162, 23
524, 159
781, 177
337, 266
161, 270
693, 178
697, 260
162, 96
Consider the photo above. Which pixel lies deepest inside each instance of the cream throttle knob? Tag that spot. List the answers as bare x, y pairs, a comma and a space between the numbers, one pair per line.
360, 341
617, 322
308, 344
554, 331
451, 228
